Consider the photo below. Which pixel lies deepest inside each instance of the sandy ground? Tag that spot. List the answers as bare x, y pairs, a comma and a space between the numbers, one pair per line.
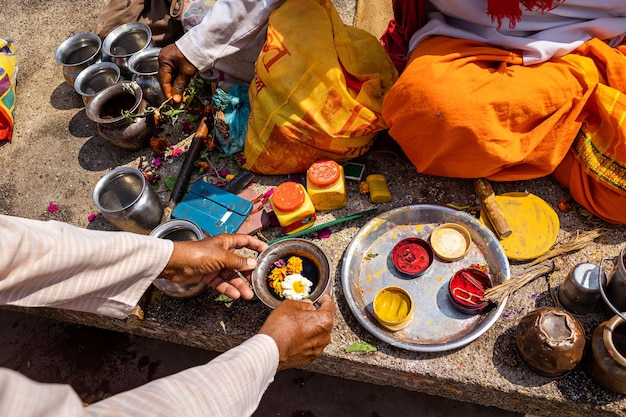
56, 156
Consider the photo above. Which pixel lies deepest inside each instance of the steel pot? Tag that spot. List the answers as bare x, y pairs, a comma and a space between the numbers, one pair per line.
179, 230
77, 53
96, 78
125, 199
144, 65
125, 40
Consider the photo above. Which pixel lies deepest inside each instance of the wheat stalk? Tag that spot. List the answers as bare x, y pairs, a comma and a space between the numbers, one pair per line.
542, 265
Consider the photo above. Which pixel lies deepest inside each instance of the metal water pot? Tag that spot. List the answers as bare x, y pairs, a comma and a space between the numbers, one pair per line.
615, 294
107, 109
145, 66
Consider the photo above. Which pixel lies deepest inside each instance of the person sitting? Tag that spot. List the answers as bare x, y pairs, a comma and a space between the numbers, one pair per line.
55, 264
514, 90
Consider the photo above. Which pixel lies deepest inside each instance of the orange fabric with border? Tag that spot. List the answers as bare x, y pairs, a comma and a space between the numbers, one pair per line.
468, 110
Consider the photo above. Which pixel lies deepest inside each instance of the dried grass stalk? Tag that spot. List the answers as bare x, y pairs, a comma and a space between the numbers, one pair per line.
498, 293
572, 243
542, 265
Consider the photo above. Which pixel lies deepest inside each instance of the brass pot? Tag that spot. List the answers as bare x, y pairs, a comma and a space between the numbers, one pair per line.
606, 363
107, 110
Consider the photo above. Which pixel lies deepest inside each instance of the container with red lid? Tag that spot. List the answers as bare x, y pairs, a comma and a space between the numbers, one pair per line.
467, 288
326, 185
412, 256
293, 207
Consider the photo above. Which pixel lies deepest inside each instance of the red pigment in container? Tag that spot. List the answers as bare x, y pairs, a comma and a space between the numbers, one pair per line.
466, 289
412, 256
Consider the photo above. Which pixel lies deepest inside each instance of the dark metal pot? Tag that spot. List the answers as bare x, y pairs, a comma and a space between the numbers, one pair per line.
107, 109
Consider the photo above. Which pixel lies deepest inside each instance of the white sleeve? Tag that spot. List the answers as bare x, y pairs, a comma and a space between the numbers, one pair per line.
230, 385
55, 264
228, 27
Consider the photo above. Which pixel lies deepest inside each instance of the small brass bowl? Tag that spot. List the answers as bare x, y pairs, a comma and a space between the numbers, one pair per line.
283, 249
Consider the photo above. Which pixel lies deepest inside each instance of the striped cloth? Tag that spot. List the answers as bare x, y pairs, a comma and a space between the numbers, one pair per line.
55, 264
231, 385
8, 73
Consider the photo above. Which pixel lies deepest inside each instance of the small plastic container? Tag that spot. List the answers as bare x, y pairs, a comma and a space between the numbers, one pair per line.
326, 185
466, 289
393, 308
379, 192
293, 207
450, 241
412, 256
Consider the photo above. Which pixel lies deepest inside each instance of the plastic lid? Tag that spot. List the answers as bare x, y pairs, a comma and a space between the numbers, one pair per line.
288, 196
323, 173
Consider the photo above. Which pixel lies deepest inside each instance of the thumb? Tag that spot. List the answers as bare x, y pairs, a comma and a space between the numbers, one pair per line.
238, 262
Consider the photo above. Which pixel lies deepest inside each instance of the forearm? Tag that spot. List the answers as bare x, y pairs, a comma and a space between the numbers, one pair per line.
228, 27
230, 385
54, 264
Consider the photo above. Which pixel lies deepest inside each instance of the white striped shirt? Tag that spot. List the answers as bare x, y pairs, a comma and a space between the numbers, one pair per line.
53, 264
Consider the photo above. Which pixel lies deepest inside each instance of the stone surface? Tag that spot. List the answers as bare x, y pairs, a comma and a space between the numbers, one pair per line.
57, 157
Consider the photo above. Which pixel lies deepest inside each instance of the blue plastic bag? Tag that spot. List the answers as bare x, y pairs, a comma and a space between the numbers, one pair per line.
232, 110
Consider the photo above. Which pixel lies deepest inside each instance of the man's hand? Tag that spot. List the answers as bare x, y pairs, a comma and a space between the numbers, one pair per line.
300, 330
213, 261
175, 72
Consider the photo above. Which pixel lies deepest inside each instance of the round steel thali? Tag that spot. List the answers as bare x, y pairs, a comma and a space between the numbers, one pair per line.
436, 326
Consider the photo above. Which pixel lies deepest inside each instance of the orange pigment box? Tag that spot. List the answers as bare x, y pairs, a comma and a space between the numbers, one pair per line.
293, 207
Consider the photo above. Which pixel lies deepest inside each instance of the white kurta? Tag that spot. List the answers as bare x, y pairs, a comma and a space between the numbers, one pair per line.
53, 264
229, 38
540, 36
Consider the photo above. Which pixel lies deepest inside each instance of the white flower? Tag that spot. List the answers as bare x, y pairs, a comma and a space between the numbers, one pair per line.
296, 287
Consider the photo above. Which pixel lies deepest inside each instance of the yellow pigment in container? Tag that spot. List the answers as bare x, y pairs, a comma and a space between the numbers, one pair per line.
393, 308
379, 192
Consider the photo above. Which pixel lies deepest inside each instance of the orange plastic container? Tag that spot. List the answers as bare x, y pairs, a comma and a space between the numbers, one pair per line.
326, 185
293, 207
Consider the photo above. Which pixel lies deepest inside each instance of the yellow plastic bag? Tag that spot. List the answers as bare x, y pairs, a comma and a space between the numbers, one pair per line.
8, 73
317, 92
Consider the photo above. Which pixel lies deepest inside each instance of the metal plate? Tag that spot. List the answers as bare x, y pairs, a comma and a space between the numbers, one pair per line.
436, 326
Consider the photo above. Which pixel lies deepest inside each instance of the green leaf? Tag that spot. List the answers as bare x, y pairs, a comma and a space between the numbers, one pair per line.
360, 347
224, 298
193, 118
370, 256
169, 182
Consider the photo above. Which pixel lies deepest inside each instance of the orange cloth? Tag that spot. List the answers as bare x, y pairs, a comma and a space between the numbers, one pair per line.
468, 110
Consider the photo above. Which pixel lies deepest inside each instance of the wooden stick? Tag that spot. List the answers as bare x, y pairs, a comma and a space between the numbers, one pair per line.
492, 209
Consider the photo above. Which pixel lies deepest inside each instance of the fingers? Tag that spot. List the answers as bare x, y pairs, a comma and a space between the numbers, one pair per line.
238, 241
300, 331
326, 303
175, 72
234, 289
